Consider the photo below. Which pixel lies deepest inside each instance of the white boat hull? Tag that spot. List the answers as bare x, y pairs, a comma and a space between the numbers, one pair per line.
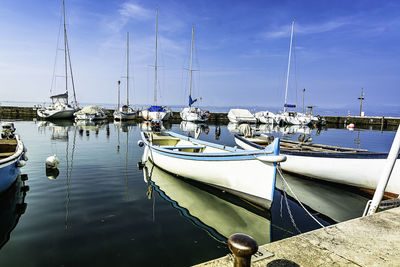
55, 114
156, 115
120, 116
343, 168
193, 115
245, 176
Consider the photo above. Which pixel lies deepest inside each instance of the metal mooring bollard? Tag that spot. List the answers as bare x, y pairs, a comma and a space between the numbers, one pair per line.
242, 247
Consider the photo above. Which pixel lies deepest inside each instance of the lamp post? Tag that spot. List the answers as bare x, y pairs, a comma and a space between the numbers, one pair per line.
361, 100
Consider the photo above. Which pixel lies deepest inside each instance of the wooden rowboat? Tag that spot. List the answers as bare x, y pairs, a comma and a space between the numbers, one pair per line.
248, 174
349, 166
12, 156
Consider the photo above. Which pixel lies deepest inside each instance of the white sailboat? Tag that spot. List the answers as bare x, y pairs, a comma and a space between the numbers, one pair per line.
190, 113
60, 108
287, 117
291, 117
125, 112
155, 112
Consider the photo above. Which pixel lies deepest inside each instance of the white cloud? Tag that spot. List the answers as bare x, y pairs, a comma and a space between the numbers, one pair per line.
284, 31
130, 10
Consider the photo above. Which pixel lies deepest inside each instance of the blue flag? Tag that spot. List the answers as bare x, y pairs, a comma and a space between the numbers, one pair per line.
191, 101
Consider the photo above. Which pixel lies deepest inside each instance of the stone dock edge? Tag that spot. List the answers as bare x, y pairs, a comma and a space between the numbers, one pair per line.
366, 241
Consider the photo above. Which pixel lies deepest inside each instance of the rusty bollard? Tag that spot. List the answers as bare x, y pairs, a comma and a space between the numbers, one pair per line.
242, 247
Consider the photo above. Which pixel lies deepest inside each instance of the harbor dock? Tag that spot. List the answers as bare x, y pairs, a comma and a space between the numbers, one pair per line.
367, 241
12, 112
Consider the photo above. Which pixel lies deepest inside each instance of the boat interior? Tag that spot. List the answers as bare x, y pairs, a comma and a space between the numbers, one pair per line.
303, 146
7, 147
177, 144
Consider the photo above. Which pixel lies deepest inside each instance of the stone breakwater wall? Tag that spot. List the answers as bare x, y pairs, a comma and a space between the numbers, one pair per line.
10, 112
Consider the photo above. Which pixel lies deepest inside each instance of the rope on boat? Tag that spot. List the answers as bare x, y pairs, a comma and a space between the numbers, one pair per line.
301, 204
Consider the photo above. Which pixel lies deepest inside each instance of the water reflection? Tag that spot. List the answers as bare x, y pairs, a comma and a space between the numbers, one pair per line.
336, 202
12, 206
58, 129
148, 126
194, 129
218, 217
221, 214
125, 127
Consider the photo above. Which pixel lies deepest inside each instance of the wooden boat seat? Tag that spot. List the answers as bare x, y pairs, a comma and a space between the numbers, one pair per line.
7, 146
6, 154
183, 147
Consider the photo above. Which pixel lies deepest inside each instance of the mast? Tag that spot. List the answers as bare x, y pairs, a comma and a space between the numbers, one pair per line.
191, 68
65, 52
288, 69
155, 65
127, 68
119, 83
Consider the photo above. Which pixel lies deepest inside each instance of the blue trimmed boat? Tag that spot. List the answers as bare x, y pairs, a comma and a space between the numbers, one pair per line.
12, 156
247, 174
349, 166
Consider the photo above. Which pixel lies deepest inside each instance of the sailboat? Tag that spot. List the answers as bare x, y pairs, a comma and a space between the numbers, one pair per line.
60, 107
125, 112
155, 112
287, 117
194, 114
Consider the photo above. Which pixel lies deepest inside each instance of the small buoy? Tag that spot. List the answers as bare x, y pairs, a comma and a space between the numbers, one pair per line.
140, 143
52, 162
350, 126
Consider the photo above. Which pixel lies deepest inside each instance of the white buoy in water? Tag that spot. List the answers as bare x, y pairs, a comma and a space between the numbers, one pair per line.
52, 162
350, 126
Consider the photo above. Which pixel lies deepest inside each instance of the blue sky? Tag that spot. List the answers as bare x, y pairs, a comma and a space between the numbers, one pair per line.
241, 50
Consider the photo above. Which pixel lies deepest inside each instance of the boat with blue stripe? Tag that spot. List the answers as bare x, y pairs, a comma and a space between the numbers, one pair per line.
248, 174
349, 166
12, 156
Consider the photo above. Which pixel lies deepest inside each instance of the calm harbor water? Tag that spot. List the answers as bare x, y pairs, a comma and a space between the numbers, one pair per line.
102, 210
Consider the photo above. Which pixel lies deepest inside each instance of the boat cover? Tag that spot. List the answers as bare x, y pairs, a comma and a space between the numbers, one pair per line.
90, 110
241, 113
156, 109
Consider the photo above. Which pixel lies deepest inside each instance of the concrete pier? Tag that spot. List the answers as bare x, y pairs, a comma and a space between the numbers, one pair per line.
368, 241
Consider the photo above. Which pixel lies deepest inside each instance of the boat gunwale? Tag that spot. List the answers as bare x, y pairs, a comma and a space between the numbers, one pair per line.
248, 154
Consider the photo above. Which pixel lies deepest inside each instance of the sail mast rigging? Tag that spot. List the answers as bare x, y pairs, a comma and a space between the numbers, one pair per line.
155, 65
288, 69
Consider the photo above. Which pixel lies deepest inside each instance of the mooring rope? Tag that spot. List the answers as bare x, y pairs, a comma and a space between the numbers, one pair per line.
301, 204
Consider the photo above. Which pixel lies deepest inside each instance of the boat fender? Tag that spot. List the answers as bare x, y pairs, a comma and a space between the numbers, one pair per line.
52, 162
140, 143
272, 159
20, 163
